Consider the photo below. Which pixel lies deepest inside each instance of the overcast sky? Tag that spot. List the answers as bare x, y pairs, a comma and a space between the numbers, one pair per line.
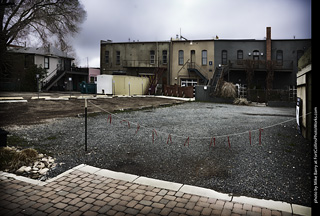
150, 20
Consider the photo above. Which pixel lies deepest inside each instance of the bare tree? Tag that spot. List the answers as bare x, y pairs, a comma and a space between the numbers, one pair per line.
51, 21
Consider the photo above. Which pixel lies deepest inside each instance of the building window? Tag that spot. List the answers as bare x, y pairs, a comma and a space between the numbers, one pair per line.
239, 57
299, 54
181, 61
204, 57
118, 58
224, 55
28, 61
255, 54
164, 57
152, 57
240, 54
46, 63
188, 82
106, 55
279, 57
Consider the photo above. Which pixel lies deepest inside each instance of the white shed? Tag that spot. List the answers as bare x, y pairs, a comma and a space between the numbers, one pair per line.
104, 84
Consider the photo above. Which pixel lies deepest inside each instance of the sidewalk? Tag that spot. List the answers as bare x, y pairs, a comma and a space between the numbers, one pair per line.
7, 97
87, 190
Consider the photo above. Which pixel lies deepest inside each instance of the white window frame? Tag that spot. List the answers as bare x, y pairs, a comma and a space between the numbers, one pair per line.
204, 57
46, 63
181, 57
188, 82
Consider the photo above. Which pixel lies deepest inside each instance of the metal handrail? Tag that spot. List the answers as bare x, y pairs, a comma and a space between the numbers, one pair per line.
261, 64
52, 74
193, 65
183, 66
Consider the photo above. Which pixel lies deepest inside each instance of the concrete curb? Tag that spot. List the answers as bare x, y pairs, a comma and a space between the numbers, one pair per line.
13, 101
11, 98
176, 98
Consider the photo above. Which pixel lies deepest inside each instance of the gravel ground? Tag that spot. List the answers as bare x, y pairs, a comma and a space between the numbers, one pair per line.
278, 169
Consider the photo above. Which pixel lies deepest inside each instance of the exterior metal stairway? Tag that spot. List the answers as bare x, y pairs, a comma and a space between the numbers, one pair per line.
53, 79
218, 73
215, 78
193, 67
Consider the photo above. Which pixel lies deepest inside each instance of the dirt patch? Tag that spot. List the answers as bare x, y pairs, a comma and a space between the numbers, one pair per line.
40, 111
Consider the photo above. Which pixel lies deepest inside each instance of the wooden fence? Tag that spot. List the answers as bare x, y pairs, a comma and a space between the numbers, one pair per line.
178, 91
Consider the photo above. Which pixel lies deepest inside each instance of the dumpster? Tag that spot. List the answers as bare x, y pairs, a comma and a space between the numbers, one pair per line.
3, 138
88, 88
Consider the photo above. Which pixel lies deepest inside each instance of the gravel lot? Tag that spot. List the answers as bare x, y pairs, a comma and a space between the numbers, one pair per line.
278, 169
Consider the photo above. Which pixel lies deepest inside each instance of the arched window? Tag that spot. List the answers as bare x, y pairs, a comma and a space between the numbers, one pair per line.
239, 57
279, 57
180, 61
224, 57
299, 54
239, 54
204, 57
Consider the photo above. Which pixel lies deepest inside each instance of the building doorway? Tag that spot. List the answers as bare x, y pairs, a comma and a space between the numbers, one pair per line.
255, 55
192, 57
189, 82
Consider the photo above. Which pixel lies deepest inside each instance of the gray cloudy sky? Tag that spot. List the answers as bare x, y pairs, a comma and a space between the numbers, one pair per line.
149, 20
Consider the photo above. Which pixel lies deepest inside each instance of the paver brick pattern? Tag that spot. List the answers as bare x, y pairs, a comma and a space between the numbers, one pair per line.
81, 193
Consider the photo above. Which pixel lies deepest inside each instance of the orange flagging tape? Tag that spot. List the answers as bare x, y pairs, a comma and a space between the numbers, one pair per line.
186, 142
109, 118
169, 139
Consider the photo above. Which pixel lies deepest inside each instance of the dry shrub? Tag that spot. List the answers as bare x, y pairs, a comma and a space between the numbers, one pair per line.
241, 101
13, 160
228, 90
24, 158
6, 155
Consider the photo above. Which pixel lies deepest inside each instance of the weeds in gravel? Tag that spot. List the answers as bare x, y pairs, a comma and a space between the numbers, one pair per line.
14, 140
52, 138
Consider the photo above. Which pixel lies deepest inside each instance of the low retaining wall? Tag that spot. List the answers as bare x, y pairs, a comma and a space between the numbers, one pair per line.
203, 94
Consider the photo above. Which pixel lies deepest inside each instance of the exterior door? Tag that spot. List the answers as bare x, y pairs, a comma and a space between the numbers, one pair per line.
256, 55
193, 56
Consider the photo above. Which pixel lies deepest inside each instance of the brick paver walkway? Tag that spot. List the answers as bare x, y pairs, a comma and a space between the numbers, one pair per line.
83, 193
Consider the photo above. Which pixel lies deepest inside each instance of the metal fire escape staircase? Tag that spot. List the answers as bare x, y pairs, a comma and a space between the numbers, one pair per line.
53, 78
218, 73
193, 67
154, 80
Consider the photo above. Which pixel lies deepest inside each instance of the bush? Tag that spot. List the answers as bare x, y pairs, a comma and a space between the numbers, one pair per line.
29, 81
12, 159
241, 101
228, 90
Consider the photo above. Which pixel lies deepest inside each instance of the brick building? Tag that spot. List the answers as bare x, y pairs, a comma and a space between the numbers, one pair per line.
256, 64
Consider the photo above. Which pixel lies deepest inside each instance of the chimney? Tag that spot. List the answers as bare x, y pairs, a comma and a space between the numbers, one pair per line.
268, 44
